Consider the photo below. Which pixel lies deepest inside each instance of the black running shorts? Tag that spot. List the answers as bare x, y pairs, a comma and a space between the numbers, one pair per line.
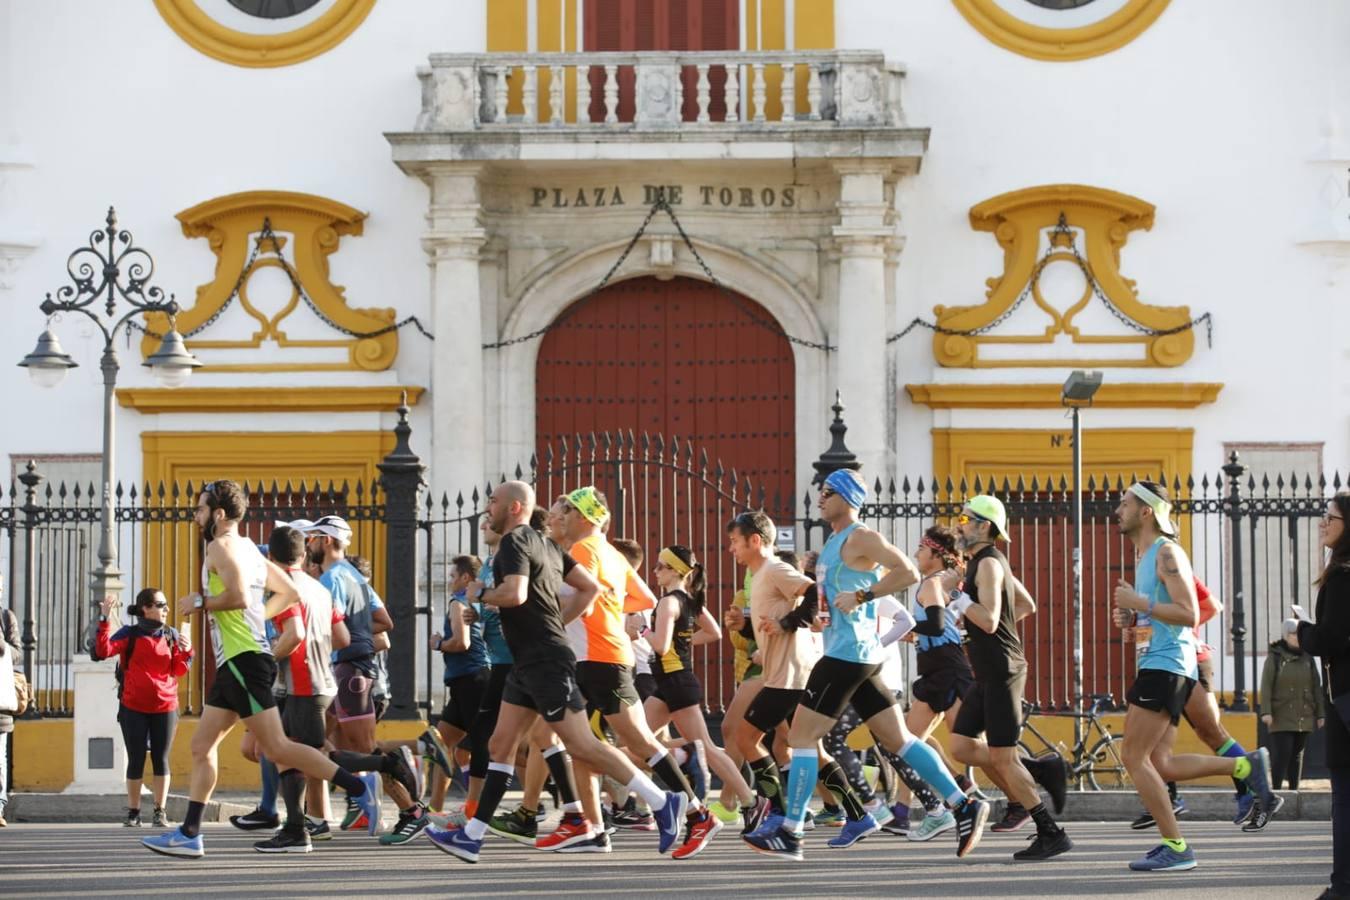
944, 677
302, 718
548, 686
834, 683
354, 687
645, 682
994, 708
607, 687
1159, 691
243, 684
679, 690
466, 696
771, 707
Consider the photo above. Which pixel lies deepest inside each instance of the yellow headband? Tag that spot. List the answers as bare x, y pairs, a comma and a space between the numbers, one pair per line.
589, 505
1162, 510
680, 567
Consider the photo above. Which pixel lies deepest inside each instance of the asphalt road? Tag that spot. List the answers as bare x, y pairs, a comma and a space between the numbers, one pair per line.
1290, 859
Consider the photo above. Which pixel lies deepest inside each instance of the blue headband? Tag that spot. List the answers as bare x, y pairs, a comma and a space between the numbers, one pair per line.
849, 485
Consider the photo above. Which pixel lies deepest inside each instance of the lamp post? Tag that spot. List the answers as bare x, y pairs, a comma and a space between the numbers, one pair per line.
110, 269
1078, 392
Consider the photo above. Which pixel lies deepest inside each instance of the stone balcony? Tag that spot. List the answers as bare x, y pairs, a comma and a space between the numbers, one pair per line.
715, 105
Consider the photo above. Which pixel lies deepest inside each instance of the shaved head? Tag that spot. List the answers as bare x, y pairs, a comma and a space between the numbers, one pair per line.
510, 505
519, 491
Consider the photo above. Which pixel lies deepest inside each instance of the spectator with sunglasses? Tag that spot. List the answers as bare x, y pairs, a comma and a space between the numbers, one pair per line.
151, 657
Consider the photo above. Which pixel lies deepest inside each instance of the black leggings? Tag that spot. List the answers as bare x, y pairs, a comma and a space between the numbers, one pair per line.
147, 730
1286, 757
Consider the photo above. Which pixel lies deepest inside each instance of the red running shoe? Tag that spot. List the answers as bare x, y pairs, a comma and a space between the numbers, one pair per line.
573, 829
699, 831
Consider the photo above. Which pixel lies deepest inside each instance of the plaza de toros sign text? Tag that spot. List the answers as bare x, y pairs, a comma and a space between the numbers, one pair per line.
701, 196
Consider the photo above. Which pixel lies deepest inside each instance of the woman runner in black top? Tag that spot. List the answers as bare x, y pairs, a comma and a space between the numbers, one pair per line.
682, 621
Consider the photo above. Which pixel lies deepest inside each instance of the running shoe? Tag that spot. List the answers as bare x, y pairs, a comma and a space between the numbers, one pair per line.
255, 821
1145, 819
433, 748
1053, 775
175, 843
1045, 846
607, 821
453, 819
1259, 781
753, 818
573, 829
406, 829
597, 843
899, 823
854, 830
778, 843
772, 822
1015, 816
728, 816
1259, 819
809, 821
161, 818
970, 819
879, 811
519, 825
1163, 858
695, 768
631, 819
405, 771
1246, 802
455, 842
668, 819
369, 802
700, 828
970, 788
318, 829
133, 819
354, 817
285, 841
831, 818
930, 826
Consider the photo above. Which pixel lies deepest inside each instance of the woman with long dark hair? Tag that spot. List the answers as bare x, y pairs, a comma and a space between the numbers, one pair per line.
1329, 638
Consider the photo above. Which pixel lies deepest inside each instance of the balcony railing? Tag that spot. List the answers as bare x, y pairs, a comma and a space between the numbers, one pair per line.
708, 91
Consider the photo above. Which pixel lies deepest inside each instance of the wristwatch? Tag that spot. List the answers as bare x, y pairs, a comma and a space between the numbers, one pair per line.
199, 603
867, 595
955, 594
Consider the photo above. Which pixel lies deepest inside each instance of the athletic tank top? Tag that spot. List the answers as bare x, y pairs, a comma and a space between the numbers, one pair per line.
1000, 653
679, 657
498, 653
236, 631
1170, 648
852, 637
950, 633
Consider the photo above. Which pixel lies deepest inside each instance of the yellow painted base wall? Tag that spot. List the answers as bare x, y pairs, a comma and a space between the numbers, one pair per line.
44, 754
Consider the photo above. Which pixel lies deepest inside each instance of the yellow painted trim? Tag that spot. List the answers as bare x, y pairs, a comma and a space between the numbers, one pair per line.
172, 557
1107, 452
1137, 395
1103, 220
315, 226
266, 399
1060, 44
508, 32
239, 48
43, 751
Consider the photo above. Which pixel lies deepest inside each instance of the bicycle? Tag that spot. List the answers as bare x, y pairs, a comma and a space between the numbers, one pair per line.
1103, 766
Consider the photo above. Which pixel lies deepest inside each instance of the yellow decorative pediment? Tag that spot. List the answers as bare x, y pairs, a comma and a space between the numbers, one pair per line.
1084, 36
1084, 227
308, 230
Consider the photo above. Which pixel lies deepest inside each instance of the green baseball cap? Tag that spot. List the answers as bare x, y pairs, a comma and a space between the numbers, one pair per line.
991, 508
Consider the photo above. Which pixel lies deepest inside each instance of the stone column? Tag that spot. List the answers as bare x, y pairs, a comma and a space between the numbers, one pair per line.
453, 244
862, 238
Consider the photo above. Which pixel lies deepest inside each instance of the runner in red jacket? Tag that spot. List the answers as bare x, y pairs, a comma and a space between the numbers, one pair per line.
151, 658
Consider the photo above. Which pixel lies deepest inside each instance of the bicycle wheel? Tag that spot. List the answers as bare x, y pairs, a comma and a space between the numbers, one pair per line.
1107, 772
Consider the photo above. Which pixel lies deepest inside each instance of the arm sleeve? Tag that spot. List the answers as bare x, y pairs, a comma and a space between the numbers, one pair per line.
1330, 636
904, 624
933, 622
804, 613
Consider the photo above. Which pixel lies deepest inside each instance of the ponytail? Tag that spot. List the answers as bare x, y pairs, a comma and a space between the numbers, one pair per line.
698, 588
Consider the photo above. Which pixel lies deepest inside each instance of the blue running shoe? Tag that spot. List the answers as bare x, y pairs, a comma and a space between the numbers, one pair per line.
854, 830
455, 842
831, 818
1163, 858
772, 822
779, 843
175, 843
1259, 781
369, 802
669, 818
1245, 802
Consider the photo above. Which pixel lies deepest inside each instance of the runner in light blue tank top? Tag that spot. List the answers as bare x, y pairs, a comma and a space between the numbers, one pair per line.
1171, 648
853, 637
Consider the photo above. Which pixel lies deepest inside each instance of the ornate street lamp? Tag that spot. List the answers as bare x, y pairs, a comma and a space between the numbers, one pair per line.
109, 269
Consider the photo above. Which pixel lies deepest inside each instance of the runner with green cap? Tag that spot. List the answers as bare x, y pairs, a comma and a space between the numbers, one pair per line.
993, 602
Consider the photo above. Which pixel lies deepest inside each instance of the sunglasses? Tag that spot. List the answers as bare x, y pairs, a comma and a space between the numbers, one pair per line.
158, 605
827, 493
1328, 517
967, 518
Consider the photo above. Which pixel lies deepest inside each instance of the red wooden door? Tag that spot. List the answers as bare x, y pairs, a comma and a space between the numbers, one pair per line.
637, 25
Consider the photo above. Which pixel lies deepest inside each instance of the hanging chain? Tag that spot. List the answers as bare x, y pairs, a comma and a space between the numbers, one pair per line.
268, 235
663, 205
1062, 229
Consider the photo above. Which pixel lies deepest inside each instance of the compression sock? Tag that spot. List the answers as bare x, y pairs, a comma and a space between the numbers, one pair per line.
768, 782
192, 822
293, 793
496, 782
268, 802
1172, 792
344, 779
1233, 750
560, 768
358, 762
663, 767
925, 761
1045, 823
801, 782
832, 776
645, 788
